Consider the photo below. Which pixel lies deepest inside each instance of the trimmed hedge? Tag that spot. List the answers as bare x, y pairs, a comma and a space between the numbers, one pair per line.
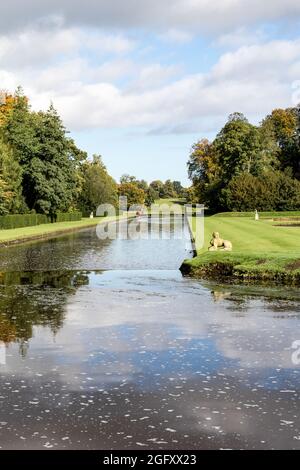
68, 216
29, 220
22, 220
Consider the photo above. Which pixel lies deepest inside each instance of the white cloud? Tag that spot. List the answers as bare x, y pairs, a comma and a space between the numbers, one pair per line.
177, 36
36, 47
113, 70
252, 80
190, 15
106, 43
263, 60
95, 73
153, 76
241, 37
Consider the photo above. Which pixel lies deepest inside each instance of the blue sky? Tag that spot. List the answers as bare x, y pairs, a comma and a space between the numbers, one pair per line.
140, 81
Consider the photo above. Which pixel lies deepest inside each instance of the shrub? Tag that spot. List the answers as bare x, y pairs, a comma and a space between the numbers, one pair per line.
22, 220
29, 220
68, 216
272, 191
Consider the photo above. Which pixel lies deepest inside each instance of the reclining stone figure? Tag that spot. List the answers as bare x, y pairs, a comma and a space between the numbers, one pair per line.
217, 242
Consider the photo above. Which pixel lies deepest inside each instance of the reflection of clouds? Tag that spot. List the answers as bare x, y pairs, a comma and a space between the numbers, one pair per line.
124, 322
153, 348
254, 340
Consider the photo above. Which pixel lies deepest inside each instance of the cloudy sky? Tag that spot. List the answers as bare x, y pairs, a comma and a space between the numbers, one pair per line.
140, 80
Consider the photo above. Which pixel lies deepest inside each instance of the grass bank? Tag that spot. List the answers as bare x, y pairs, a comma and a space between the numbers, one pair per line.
38, 232
262, 250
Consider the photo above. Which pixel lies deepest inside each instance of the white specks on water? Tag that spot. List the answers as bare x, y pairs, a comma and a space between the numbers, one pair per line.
155, 362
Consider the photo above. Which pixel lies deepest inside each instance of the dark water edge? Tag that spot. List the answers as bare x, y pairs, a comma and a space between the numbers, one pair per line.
97, 352
226, 272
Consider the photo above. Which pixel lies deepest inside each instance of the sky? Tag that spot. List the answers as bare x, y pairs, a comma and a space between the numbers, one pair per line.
139, 81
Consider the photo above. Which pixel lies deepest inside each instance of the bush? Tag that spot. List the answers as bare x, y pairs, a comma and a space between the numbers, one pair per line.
22, 220
68, 216
29, 220
246, 193
272, 191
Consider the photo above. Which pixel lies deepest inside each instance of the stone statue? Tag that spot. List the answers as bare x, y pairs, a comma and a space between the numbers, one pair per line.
256, 215
217, 242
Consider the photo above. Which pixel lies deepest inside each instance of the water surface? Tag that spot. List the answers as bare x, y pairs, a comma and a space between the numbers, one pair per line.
104, 345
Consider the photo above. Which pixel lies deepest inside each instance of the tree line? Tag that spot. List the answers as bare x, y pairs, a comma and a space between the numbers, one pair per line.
140, 192
249, 167
41, 168
43, 171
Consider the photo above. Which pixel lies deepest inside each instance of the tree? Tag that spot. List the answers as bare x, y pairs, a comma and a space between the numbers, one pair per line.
168, 190
239, 147
284, 125
158, 187
191, 195
127, 179
6, 106
41, 168
248, 167
246, 192
19, 129
206, 173
142, 184
49, 173
98, 186
178, 188
151, 196
203, 163
135, 195
78, 157
11, 200
271, 191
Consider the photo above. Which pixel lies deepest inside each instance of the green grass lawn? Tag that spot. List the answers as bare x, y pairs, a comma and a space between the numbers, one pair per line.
37, 231
169, 201
261, 214
260, 249
248, 235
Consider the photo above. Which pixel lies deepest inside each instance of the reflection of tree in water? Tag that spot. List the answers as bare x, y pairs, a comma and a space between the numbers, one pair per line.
64, 252
237, 304
34, 299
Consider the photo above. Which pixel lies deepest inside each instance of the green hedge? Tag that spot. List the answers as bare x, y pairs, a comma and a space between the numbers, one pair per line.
22, 220
68, 216
29, 220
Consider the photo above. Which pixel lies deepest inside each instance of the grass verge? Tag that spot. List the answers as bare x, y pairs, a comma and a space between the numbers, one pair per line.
261, 251
37, 232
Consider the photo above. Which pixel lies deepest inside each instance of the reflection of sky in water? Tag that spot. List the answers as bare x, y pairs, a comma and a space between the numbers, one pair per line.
84, 250
139, 357
156, 357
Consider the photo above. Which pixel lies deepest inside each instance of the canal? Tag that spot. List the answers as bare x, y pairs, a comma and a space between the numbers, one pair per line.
104, 345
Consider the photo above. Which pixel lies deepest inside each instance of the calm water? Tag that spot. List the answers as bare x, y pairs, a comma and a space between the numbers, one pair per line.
104, 345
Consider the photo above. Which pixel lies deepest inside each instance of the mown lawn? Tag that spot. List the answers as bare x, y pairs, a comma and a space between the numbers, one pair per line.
260, 249
248, 235
48, 229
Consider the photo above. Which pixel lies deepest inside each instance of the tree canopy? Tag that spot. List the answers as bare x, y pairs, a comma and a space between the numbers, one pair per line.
41, 168
249, 167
